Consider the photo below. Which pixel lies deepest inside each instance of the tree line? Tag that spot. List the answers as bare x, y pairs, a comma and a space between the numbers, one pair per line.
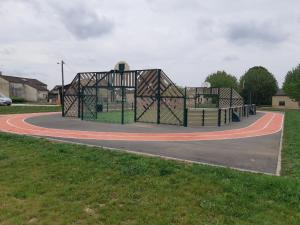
258, 85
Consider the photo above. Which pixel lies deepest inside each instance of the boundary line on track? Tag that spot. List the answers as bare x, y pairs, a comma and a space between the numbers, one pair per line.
279, 159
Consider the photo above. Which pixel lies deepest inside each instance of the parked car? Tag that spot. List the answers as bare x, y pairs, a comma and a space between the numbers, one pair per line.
5, 100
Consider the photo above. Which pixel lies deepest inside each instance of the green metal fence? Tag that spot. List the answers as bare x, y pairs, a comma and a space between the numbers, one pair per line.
148, 96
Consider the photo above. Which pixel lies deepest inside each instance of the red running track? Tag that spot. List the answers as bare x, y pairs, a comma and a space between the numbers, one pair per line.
269, 123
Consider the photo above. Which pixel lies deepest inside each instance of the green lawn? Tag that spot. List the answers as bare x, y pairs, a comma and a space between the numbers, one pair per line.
44, 182
115, 117
291, 144
28, 109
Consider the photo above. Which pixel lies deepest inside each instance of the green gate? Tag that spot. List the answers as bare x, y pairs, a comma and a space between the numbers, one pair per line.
88, 103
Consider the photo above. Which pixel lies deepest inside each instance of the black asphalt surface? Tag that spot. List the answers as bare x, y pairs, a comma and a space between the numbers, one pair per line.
57, 122
258, 154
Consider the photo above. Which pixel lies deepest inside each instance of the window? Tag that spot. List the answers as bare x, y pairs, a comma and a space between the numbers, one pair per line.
281, 103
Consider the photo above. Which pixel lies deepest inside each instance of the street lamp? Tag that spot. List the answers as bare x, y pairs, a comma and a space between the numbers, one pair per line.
62, 88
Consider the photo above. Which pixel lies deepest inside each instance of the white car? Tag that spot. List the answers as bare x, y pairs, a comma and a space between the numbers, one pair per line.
5, 100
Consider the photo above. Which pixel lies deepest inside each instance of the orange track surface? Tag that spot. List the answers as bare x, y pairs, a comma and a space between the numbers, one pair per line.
269, 123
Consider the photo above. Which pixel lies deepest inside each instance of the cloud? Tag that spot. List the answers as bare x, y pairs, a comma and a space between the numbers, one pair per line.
229, 58
187, 39
32, 3
83, 22
265, 33
6, 51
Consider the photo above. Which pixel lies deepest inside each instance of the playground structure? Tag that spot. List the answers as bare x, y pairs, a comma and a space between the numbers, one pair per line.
149, 96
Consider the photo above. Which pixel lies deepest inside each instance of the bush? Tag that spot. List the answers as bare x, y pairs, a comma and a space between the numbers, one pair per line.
17, 99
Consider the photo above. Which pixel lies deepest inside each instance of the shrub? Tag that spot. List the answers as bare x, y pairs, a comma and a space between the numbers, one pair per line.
17, 99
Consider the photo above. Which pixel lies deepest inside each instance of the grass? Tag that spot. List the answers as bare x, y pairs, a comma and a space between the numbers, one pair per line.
44, 182
55, 183
291, 144
115, 117
28, 109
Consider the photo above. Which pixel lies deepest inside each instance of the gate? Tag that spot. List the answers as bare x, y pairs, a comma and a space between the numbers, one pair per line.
158, 99
88, 103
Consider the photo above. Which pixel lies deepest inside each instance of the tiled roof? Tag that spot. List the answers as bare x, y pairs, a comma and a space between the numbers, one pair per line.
40, 86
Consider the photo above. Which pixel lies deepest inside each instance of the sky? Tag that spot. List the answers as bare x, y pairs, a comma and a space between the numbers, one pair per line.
187, 39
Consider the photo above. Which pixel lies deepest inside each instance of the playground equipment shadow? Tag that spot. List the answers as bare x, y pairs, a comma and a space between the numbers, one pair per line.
256, 154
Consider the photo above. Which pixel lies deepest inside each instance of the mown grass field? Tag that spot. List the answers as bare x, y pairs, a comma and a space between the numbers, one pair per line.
44, 182
291, 144
116, 116
28, 109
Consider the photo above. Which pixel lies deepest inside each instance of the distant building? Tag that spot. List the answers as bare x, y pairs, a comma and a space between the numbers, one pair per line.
281, 100
55, 95
29, 89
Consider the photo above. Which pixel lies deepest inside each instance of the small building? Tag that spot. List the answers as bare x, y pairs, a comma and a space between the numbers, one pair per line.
281, 100
55, 95
31, 90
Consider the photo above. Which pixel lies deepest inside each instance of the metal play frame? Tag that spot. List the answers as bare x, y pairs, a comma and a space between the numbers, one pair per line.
149, 96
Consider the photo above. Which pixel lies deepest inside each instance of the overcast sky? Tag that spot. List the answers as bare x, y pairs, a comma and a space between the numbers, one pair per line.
188, 39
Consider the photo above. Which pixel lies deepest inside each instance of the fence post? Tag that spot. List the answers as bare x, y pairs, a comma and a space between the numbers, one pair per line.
185, 122
81, 105
123, 93
185, 110
225, 121
79, 96
219, 117
96, 96
158, 96
135, 92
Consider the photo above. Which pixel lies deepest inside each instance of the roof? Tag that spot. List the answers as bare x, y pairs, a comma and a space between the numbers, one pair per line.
40, 86
280, 92
56, 88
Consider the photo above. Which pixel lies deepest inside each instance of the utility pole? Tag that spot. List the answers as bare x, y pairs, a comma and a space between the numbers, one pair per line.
62, 88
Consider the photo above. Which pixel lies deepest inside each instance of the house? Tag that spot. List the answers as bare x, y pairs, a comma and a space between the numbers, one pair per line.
55, 95
29, 89
281, 100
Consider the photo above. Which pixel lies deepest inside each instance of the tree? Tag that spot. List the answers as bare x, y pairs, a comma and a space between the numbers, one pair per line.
291, 85
222, 79
258, 86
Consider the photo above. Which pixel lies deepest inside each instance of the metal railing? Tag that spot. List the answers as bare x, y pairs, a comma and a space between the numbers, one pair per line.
196, 117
